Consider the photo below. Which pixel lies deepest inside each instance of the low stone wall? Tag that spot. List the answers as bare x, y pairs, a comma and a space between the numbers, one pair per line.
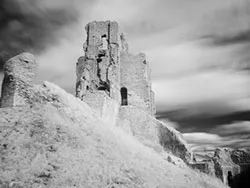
206, 167
152, 132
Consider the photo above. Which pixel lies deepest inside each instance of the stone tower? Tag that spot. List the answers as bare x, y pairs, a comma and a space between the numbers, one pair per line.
99, 69
109, 67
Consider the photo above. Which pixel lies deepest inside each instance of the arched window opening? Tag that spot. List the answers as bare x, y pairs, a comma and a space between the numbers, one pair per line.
124, 96
104, 42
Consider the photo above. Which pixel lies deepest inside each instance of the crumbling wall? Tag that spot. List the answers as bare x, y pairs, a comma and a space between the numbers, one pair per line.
86, 77
108, 65
135, 76
19, 73
241, 157
223, 164
101, 60
153, 133
103, 105
204, 166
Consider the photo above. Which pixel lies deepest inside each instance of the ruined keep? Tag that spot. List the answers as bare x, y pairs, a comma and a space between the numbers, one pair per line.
109, 69
117, 86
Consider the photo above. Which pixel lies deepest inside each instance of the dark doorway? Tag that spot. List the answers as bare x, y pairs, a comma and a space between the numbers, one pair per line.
229, 178
124, 95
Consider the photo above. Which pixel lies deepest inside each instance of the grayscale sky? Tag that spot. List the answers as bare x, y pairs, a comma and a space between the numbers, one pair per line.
198, 50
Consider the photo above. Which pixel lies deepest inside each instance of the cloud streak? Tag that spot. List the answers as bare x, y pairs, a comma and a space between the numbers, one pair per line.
33, 25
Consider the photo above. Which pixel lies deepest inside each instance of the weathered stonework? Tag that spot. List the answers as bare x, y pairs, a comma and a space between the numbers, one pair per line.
153, 133
136, 78
109, 78
104, 106
241, 157
223, 164
225, 161
205, 166
108, 65
99, 69
19, 73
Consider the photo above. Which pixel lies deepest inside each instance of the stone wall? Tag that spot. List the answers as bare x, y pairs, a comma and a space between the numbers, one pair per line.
99, 69
19, 73
223, 164
205, 166
103, 105
153, 133
108, 65
86, 74
136, 78
226, 160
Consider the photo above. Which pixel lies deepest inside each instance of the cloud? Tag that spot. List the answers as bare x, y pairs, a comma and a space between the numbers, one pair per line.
33, 25
189, 121
57, 62
229, 25
240, 37
218, 90
202, 138
235, 129
205, 143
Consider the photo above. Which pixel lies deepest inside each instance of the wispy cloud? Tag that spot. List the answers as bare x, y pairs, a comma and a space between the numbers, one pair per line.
205, 143
237, 129
202, 138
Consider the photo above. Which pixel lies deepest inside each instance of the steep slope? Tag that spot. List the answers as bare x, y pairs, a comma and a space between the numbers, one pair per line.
60, 142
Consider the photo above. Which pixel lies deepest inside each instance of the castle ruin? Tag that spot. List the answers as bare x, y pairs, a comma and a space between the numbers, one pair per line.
109, 78
108, 66
116, 85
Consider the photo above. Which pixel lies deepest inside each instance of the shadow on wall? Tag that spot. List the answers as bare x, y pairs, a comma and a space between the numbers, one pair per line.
241, 180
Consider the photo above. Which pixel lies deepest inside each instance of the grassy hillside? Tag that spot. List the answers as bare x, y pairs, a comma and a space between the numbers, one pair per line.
60, 142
